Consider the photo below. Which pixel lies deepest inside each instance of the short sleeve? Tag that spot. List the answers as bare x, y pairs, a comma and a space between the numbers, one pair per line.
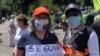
21, 43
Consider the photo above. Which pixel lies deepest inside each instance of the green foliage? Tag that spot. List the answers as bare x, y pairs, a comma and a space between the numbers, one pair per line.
80, 2
46, 3
10, 5
16, 5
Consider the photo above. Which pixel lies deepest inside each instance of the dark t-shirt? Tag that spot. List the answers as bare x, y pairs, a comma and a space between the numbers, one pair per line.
32, 39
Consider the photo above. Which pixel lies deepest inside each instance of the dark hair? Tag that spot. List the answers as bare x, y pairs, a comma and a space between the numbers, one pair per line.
25, 22
96, 27
90, 20
73, 11
23, 18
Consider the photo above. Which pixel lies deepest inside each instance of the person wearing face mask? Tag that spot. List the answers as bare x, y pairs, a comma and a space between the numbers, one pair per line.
83, 42
39, 36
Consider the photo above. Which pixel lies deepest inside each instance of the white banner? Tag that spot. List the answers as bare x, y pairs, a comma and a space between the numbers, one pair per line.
44, 50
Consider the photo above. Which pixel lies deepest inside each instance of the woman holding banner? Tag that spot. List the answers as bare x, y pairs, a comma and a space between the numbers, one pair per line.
39, 41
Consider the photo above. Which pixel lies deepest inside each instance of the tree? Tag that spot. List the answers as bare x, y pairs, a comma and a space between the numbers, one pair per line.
88, 2
27, 6
46, 3
11, 5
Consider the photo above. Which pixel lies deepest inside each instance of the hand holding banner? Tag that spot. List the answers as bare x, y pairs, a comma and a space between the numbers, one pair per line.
44, 50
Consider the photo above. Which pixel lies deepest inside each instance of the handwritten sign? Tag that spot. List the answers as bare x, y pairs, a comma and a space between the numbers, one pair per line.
44, 50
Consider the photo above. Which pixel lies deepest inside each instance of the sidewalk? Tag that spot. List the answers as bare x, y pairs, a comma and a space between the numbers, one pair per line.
5, 50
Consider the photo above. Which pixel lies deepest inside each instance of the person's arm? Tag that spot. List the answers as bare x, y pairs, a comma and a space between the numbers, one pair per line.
20, 47
19, 52
93, 45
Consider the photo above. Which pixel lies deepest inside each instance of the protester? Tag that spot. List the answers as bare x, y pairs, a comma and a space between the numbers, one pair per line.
90, 20
96, 27
22, 22
82, 41
39, 36
12, 30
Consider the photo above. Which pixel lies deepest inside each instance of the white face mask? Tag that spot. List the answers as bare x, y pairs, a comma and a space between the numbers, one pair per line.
41, 24
74, 21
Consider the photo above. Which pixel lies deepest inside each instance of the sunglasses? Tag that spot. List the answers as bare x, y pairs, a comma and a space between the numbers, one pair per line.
72, 12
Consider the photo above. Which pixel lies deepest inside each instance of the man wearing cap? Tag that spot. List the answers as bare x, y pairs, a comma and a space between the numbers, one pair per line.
84, 41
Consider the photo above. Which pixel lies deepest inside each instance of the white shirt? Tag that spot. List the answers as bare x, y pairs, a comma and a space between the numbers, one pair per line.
19, 33
15, 23
11, 21
12, 26
93, 45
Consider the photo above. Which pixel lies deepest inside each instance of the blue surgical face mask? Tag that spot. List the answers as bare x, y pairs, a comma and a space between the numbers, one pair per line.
41, 24
74, 21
